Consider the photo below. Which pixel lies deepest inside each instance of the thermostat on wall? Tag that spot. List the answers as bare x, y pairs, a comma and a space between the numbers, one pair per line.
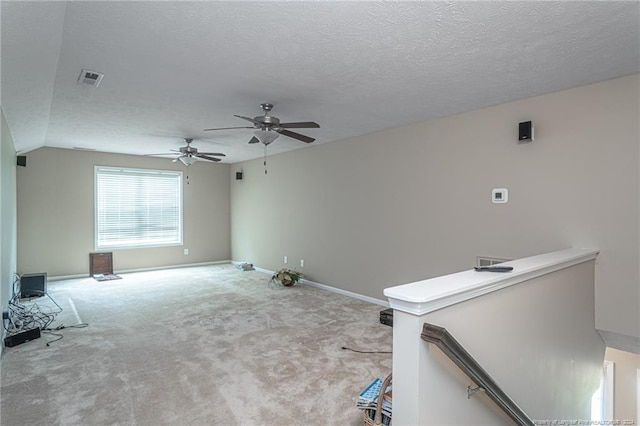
499, 195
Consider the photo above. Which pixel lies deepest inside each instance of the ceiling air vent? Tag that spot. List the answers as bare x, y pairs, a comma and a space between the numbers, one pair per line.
90, 78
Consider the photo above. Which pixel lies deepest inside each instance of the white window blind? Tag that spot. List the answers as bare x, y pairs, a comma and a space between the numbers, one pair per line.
137, 207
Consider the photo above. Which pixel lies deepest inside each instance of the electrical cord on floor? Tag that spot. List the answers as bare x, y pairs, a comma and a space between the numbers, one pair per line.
59, 337
365, 352
33, 315
61, 327
27, 317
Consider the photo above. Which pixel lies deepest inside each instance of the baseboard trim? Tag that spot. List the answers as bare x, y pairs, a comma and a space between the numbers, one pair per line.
334, 290
346, 293
159, 268
264, 271
153, 268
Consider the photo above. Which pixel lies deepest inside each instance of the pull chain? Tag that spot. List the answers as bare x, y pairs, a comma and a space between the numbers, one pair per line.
265, 159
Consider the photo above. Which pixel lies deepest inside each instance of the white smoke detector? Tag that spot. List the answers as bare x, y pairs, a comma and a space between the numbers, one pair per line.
90, 78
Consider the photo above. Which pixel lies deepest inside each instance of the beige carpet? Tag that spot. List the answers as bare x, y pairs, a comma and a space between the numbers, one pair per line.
196, 346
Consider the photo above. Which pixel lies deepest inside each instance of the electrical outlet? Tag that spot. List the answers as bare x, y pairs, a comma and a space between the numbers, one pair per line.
286, 259
186, 252
302, 263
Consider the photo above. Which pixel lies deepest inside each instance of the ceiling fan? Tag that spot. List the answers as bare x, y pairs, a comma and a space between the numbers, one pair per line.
189, 154
270, 127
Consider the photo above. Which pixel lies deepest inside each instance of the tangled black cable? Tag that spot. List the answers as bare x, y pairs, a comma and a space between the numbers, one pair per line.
27, 317
24, 317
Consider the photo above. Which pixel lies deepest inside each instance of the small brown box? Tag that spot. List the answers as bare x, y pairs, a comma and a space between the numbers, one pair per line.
100, 263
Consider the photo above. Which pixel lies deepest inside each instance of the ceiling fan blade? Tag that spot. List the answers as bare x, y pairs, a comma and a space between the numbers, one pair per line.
257, 123
162, 153
215, 154
295, 135
254, 140
206, 157
228, 128
300, 125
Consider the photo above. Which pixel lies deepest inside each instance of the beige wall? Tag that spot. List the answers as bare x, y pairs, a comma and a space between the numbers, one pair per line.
625, 382
56, 213
413, 202
7, 213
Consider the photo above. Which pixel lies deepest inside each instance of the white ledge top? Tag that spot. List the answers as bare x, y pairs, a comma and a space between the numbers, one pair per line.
422, 297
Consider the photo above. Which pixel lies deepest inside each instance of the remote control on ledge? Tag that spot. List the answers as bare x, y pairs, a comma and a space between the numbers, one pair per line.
493, 268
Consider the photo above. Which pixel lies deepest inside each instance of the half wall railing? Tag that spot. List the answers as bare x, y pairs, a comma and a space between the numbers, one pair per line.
532, 328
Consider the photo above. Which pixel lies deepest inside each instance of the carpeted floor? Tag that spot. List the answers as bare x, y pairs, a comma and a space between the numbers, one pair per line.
196, 346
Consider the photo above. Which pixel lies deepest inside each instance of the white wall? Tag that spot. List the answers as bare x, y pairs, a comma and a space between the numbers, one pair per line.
536, 339
7, 213
56, 213
411, 203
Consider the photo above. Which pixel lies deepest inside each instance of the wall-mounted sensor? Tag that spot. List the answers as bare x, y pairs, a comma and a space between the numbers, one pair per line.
525, 131
499, 195
90, 78
238, 175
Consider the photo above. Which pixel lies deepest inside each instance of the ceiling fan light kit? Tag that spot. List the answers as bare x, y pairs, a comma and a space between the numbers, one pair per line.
187, 160
266, 136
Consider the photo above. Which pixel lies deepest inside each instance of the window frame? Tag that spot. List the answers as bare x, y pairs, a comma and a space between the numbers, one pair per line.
140, 172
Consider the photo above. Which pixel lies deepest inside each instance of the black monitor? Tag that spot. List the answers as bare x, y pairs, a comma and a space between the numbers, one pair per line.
33, 285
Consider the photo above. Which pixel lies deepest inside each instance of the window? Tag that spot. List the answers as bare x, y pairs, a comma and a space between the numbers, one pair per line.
137, 207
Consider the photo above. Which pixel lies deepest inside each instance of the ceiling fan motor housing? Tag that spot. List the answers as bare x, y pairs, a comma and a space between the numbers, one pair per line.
267, 121
188, 149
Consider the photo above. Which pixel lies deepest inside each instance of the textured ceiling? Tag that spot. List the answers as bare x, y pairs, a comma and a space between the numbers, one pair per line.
175, 68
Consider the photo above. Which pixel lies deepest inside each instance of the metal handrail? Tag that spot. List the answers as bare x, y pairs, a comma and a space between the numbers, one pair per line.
451, 348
